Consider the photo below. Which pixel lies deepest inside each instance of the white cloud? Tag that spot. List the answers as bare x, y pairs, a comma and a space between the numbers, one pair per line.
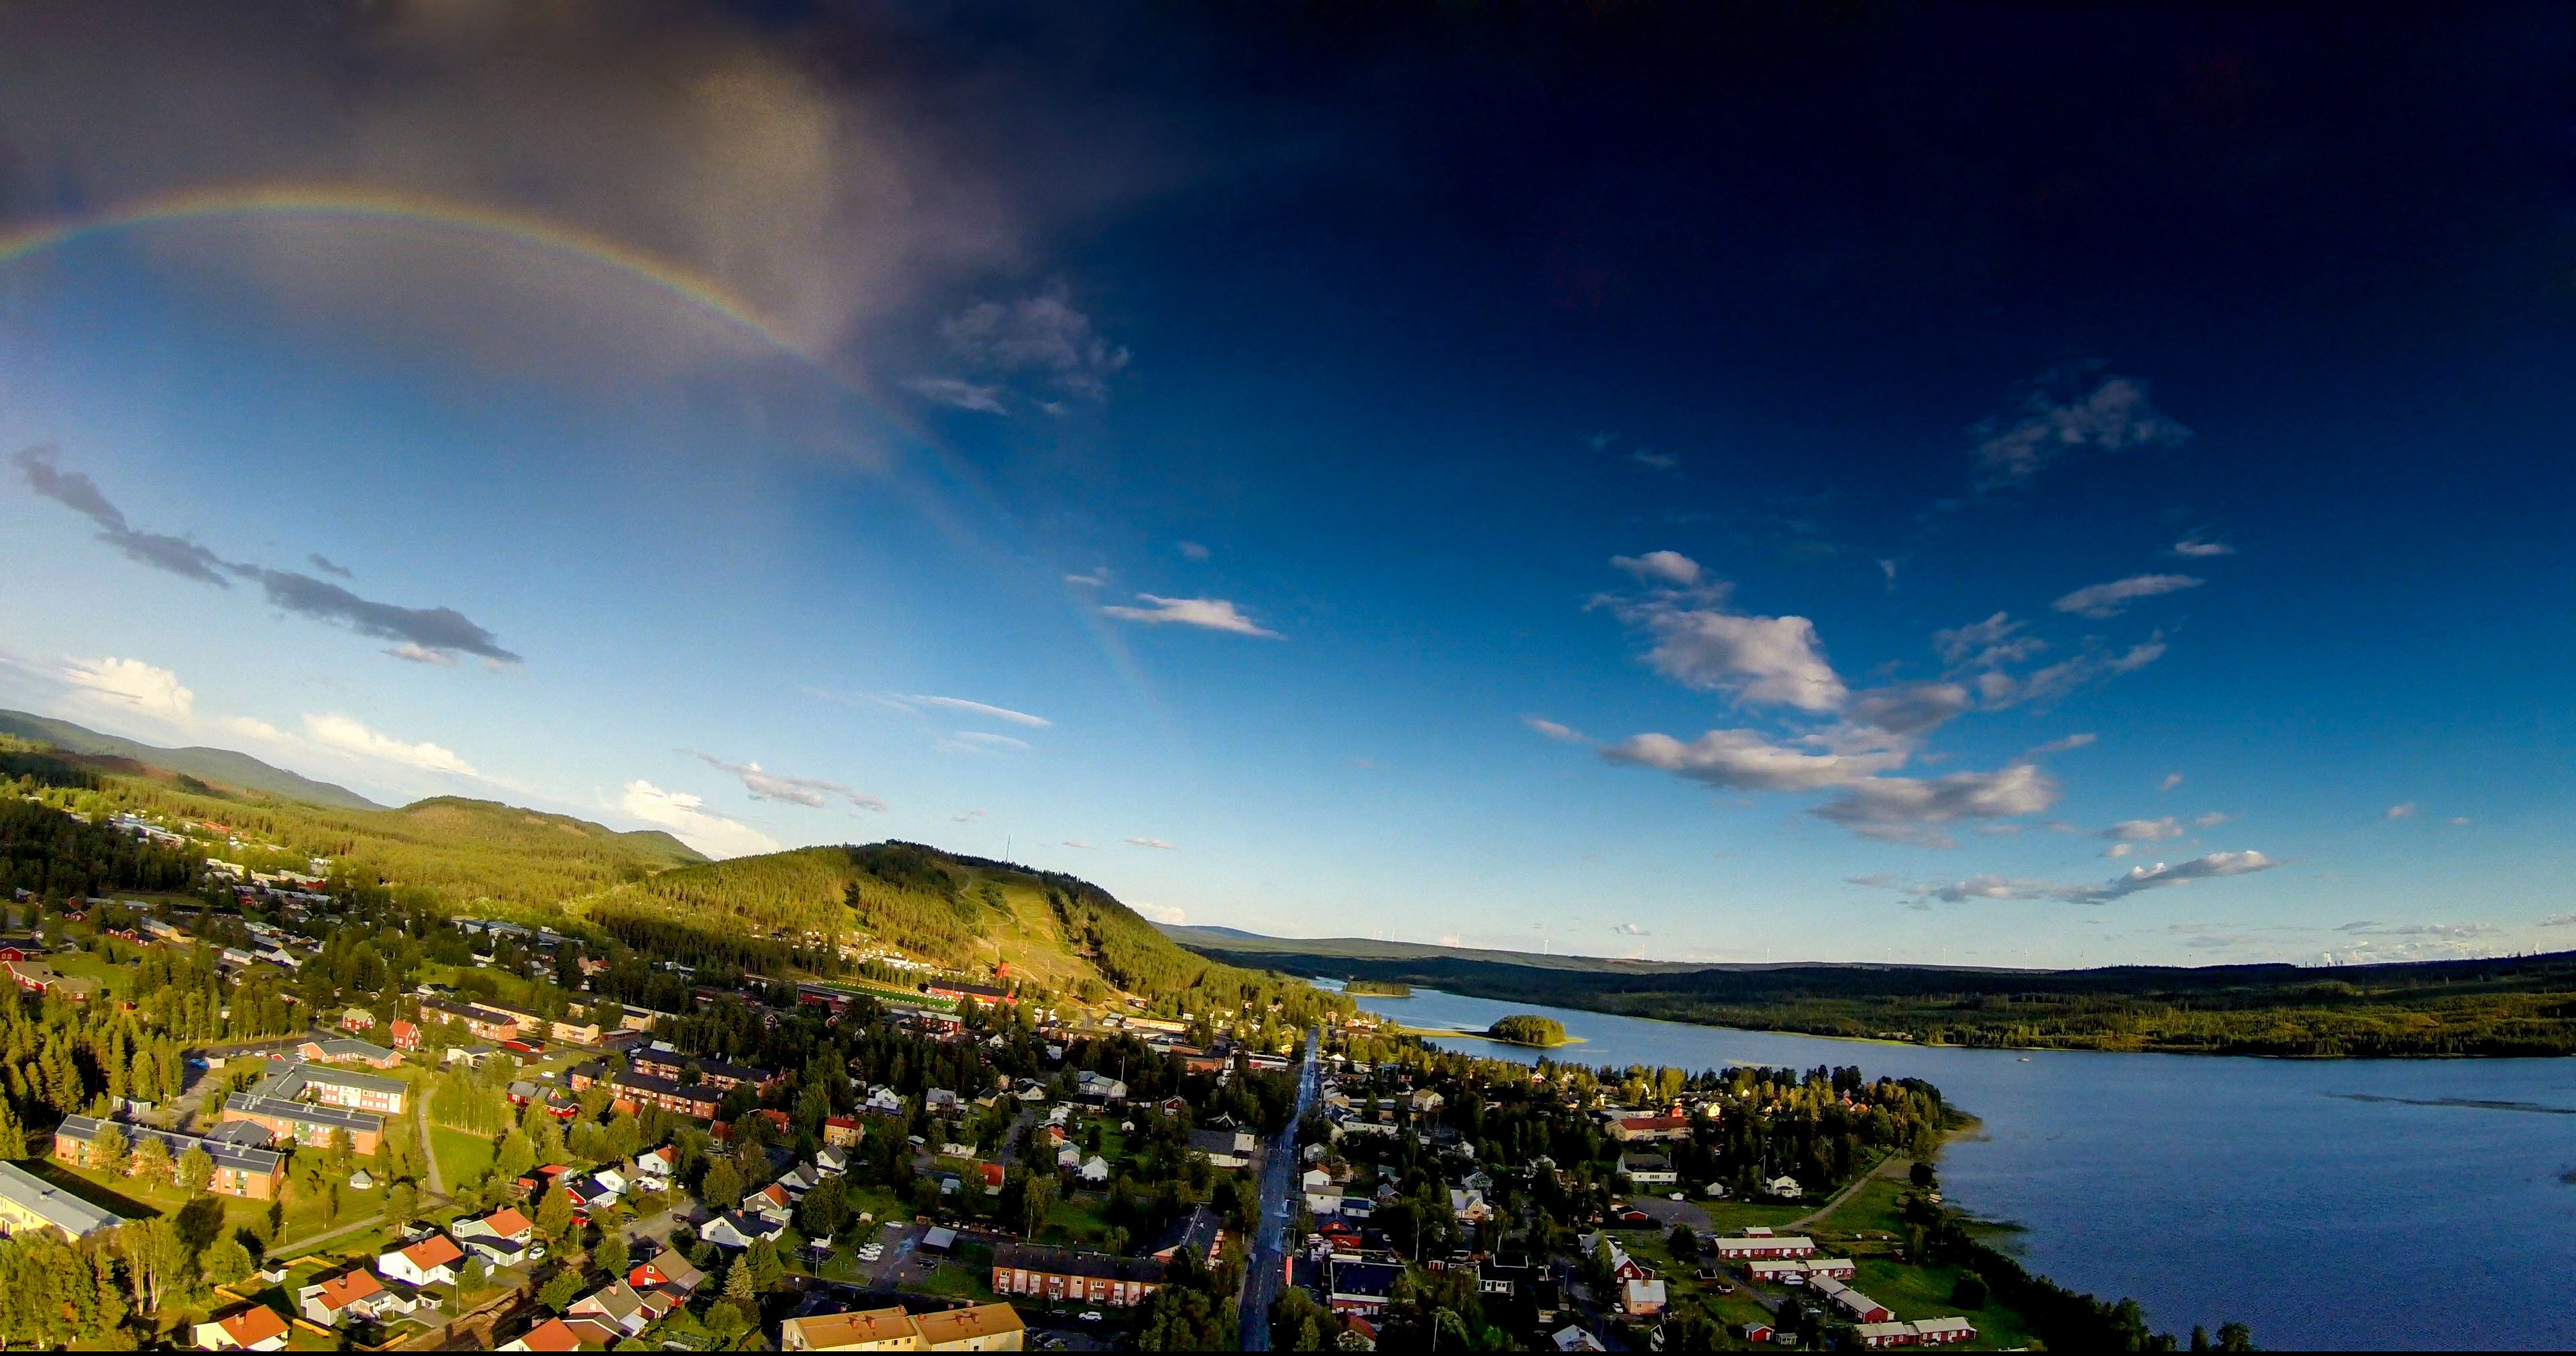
349, 736
811, 792
1043, 335
1743, 760
2208, 821
2405, 811
968, 816
2073, 741
1629, 930
2119, 849
1078, 843
1912, 810
2172, 780
421, 654
1661, 461
1214, 614
684, 815
1191, 550
1002, 713
2558, 920
1093, 580
2055, 421
2195, 548
251, 728
965, 395
2110, 600
2145, 830
1661, 567
1774, 661
1888, 567
2459, 820
1163, 913
2213, 866
1562, 734
1155, 843
134, 685
979, 739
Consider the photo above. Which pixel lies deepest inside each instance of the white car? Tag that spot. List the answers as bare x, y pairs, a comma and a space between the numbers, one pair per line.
1090, 1315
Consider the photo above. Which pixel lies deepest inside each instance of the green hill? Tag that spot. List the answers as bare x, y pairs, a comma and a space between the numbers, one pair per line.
222, 766
785, 911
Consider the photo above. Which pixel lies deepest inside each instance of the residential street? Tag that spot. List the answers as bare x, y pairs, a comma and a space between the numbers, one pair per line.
1264, 1267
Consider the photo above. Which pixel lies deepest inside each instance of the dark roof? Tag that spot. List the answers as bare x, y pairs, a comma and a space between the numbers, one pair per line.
1194, 1232
665, 1087
1365, 1278
226, 1154
1073, 1262
275, 1108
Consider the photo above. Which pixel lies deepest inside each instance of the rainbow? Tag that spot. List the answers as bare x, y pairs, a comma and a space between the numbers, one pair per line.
337, 203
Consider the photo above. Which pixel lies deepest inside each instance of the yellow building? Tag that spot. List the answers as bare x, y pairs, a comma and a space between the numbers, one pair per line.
985, 1327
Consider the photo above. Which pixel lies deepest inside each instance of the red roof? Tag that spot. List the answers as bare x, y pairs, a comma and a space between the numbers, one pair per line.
992, 1174
552, 1335
508, 1223
348, 1288
437, 1250
253, 1325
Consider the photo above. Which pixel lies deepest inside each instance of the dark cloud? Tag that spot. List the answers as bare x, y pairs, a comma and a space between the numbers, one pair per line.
329, 566
431, 628
81, 495
423, 634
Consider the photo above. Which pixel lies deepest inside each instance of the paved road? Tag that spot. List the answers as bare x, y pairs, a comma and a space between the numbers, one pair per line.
1263, 1272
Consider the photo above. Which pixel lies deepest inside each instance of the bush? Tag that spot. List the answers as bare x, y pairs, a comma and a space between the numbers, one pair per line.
1970, 1292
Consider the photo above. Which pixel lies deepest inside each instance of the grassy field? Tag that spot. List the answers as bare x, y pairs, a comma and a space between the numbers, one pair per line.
133, 1199
462, 1155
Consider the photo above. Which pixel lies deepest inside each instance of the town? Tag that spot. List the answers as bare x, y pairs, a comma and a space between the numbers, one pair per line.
268, 1105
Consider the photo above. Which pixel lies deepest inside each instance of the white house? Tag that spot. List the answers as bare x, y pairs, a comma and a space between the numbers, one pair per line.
735, 1229
1095, 1169
831, 1161
431, 1261
883, 1101
1088, 1083
657, 1166
258, 1328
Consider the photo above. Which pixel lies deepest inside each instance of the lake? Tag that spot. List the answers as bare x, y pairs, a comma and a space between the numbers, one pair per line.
2343, 1203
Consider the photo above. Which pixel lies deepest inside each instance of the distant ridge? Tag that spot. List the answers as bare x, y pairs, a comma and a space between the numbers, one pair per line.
1243, 945
205, 764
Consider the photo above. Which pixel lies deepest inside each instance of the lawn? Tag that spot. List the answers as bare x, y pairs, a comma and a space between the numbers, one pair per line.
463, 1156
1871, 1212
966, 1273
1076, 1220
1924, 1292
1734, 1217
132, 1198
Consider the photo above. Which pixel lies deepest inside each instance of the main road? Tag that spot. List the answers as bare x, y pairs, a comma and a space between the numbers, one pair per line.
1266, 1269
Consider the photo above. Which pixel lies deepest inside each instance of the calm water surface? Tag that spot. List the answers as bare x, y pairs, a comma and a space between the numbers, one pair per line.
2345, 1203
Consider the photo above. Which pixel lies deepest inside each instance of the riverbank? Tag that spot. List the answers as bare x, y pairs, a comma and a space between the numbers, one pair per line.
2209, 1189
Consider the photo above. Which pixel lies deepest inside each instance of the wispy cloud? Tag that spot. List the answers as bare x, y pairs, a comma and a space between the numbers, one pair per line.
2172, 780
974, 708
811, 792
2070, 742
329, 566
1661, 567
965, 395
1745, 760
2110, 600
968, 816
2216, 865
1098, 578
1630, 930
989, 742
350, 736
1155, 843
1212, 614
2065, 412
1078, 843
2144, 830
1191, 550
1649, 457
2405, 811
79, 493
1988, 644
1165, 914
686, 817
1562, 734
2210, 820
2197, 548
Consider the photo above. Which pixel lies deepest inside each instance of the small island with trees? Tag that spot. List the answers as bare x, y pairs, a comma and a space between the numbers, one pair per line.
1525, 1029
1377, 988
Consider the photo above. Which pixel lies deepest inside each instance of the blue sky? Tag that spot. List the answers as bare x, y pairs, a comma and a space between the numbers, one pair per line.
2050, 489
